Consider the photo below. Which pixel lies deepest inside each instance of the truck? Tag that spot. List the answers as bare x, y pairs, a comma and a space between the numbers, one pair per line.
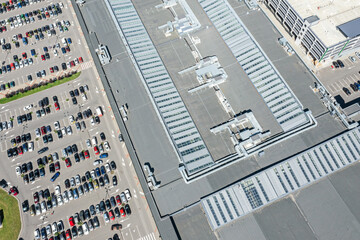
99, 111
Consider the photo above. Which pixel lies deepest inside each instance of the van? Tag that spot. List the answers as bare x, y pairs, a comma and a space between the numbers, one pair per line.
99, 111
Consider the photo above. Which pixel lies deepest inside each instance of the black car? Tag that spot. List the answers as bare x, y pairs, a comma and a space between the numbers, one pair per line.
25, 206
74, 232
80, 231
347, 91
28, 137
74, 148
41, 103
87, 175
87, 214
82, 156
117, 212
46, 101
74, 101
19, 119
77, 158
55, 98
43, 150
42, 172
102, 136
72, 94
50, 138
59, 134
113, 165
47, 110
52, 168
79, 116
45, 139
82, 215
37, 173
76, 92
29, 166
63, 66
81, 88
341, 64
86, 187
102, 206
92, 210
24, 168
96, 222
101, 182
67, 183
31, 176
112, 201
10, 152
108, 204
106, 179
114, 180
26, 179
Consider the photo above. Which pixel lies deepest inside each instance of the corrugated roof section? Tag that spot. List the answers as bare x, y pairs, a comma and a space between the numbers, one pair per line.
283, 178
176, 118
283, 104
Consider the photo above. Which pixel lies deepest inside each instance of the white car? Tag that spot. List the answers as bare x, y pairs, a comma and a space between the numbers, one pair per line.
55, 156
59, 200
352, 59
92, 121
63, 40
69, 130
106, 217
70, 195
43, 207
57, 190
77, 179
48, 229
107, 146
28, 107
31, 146
85, 228
88, 143
30, 61
54, 227
18, 171
55, 52
65, 197
37, 132
21, 64
63, 131
84, 97
57, 125
71, 119
98, 162
107, 167
94, 141
37, 234
127, 194
92, 173
357, 54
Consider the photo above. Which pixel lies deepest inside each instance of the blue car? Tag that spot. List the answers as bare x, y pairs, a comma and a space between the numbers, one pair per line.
104, 155
69, 40
75, 193
97, 171
33, 52
56, 175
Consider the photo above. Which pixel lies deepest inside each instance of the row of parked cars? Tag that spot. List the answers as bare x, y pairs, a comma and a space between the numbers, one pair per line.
8, 85
15, 4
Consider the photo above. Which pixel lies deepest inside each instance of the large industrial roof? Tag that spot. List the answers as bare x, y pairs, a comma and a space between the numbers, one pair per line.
267, 81
351, 29
277, 181
166, 98
331, 13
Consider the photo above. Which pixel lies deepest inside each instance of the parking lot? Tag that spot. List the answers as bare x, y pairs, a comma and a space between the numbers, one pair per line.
63, 155
336, 79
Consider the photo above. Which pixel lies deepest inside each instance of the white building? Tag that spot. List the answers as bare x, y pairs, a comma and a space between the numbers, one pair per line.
327, 29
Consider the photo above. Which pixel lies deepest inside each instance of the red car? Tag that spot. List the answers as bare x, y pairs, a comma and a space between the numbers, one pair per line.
111, 215
24, 55
36, 197
118, 200
20, 150
43, 57
27, 34
68, 234
19, 36
51, 69
67, 49
71, 221
12, 65
67, 162
14, 191
57, 166
96, 150
72, 63
122, 212
43, 131
57, 107
47, 14
86, 153
80, 60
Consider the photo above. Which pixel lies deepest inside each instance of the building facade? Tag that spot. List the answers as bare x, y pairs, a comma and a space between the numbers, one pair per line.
301, 30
